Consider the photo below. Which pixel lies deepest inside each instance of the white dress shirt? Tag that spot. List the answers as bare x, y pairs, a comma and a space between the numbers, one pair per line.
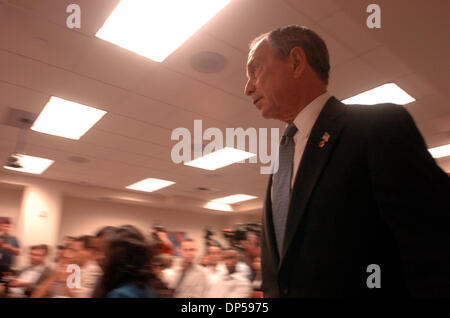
304, 122
193, 283
90, 274
29, 276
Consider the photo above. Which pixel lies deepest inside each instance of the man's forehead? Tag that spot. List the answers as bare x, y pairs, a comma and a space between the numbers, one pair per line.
257, 50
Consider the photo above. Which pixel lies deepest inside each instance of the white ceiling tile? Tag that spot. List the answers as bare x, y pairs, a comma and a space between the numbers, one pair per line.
237, 81
444, 163
338, 52
435, 125
40, 39
352, 78
28, 73
114, 65
120, 125
143, 108
315, 9
386, 62
171, 87
103, 138
146, 150
241, 21
220, 105
9, 132
428, 107
83, 90
416, 85
13, 96
354, 35
437, 140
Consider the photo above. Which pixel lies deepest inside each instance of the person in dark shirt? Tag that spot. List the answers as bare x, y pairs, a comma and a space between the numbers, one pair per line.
9, 247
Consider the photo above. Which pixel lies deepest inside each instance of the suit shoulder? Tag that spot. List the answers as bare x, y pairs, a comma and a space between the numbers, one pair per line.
378, 115
376, 110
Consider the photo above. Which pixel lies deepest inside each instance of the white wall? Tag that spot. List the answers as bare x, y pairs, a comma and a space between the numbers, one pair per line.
86, 216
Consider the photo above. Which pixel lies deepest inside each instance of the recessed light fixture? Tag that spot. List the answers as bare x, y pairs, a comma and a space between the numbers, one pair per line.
155, 29
218, 206
66, 119
439, 152
387, 93
234, 198
150, 185
220, 158
30, 164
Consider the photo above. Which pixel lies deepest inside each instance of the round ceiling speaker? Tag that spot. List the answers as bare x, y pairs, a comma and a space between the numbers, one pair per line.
208, 62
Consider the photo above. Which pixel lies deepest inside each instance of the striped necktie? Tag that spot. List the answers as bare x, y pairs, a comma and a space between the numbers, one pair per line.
281, 192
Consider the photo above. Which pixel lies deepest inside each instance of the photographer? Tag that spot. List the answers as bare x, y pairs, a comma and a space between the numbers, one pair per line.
251, 247
159, 240
209, 241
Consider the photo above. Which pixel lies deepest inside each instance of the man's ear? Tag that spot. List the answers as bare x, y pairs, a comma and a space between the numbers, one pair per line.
298, 60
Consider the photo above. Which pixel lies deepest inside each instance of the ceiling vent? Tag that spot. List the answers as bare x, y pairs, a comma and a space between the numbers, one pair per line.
78, 159
19, 118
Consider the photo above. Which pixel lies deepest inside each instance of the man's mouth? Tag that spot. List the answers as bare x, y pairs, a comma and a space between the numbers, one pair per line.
256, 101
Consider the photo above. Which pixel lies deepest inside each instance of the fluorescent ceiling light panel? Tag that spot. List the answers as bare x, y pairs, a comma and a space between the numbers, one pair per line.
218, 206
32, 164
66, 119
439, 152
150, 185
234, 198
155, 29
387, 93
220, 158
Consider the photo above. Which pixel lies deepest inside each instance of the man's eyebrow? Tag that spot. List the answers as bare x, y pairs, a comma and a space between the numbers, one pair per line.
251, 64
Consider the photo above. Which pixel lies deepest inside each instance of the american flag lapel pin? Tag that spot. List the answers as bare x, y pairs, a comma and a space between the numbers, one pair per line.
326, 136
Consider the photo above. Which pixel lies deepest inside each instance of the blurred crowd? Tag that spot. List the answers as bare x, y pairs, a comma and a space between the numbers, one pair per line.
123, 262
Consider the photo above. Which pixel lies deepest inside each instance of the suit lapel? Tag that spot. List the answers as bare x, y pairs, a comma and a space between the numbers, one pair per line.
269, 232
321, 142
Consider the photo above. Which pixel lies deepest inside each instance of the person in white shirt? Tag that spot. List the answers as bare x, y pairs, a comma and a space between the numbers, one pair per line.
233, 284
90, 271
190, 279
215, 266
27, 279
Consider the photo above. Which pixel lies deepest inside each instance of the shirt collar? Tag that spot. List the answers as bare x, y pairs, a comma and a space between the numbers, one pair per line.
307, 117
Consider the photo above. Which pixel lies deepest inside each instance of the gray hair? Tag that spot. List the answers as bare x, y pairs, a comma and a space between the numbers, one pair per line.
284, 39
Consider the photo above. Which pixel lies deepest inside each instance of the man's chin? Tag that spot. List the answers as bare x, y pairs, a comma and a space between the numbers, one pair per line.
265, 114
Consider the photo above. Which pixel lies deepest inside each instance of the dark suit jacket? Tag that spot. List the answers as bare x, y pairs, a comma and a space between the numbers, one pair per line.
371, 195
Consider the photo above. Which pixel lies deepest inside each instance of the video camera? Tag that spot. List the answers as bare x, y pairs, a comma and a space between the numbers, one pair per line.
239, 233
157, 229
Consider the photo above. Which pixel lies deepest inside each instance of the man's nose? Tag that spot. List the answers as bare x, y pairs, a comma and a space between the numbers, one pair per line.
249, 88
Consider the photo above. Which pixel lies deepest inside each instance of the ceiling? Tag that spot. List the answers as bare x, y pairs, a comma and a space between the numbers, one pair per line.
145, 100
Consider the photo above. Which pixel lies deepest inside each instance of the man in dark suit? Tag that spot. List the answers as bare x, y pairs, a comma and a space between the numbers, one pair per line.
358, 207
